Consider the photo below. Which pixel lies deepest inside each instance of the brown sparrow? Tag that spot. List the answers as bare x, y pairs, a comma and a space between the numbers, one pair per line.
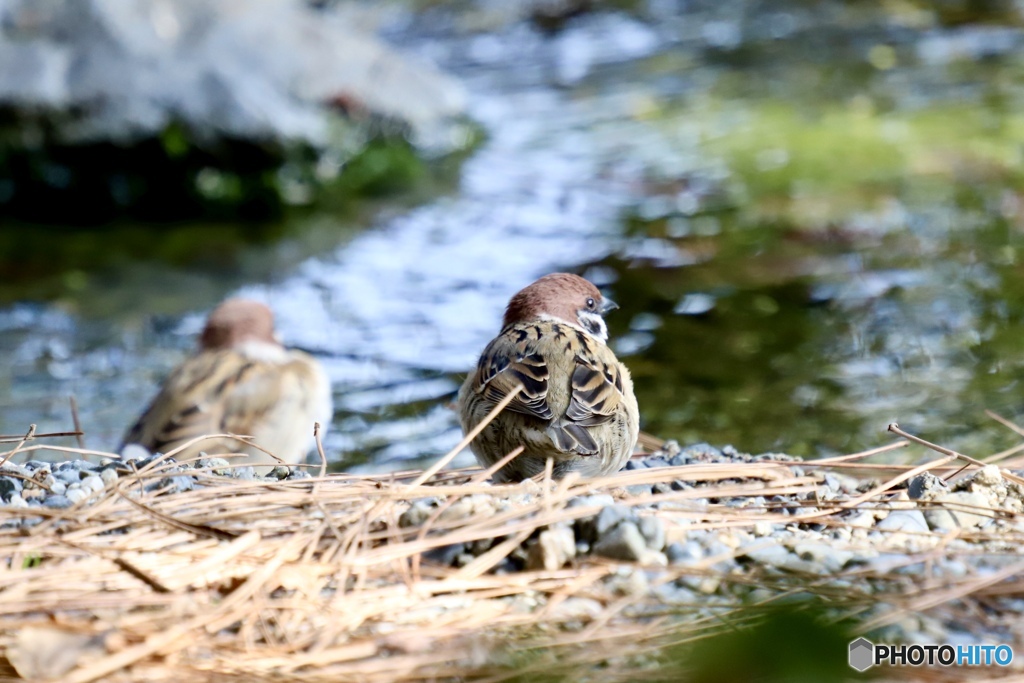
241, 381
576, 406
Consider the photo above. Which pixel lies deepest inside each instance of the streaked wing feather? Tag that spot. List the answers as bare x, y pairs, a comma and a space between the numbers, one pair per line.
596, 393
506, 364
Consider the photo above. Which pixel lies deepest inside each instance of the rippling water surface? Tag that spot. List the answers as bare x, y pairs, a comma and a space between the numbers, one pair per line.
811, 221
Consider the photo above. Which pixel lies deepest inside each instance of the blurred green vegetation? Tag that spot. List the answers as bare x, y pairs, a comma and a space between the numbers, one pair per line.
792, 643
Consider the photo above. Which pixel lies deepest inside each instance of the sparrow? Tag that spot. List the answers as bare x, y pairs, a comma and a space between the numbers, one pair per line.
240, 381
576, 405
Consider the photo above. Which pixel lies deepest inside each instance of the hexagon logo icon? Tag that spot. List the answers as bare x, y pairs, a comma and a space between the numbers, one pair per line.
862, 654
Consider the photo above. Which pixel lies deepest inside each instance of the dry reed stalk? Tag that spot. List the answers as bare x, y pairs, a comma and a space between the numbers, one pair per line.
316, 580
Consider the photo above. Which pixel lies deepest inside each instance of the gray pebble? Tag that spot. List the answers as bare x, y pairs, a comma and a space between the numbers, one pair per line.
926, 483
903, 520
602, 499
76, 495
299, 473
961, 509
830, 558
58, 502
684, 553
92, 484
706, 450
109, 476
624, 542
639, 489
653, 531
655, 461
68, 476
9, 486
178, 483
554, 547
17, 501
417, 514
445, 555
610, 516
215, 465
247, 473
680, 460
633, 464
59, 488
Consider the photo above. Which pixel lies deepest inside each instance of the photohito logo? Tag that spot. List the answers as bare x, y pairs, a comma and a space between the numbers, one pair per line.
864, 654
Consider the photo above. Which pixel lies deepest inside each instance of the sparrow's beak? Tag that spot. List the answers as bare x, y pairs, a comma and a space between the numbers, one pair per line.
607, 305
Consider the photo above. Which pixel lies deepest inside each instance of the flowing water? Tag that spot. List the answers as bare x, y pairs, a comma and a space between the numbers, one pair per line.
810, 216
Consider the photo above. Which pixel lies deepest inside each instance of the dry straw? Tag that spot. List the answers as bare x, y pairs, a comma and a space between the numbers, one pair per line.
316, 580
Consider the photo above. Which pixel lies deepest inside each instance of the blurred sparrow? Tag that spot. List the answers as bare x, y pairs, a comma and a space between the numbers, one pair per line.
241, 381
577, 405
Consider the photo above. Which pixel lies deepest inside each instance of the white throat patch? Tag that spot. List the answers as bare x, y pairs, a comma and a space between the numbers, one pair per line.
594, 324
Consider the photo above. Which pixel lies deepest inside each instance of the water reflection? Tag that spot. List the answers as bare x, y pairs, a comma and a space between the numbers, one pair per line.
811, 220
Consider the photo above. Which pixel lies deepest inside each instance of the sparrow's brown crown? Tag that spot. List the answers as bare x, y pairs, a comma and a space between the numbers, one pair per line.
559, 295
236, 321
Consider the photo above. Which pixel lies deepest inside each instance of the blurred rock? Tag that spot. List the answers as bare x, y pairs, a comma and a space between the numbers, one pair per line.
162, 77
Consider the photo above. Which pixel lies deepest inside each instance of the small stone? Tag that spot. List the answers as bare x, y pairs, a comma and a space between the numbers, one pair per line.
780, 557
9, 486
58, 502
178, 483
576, 608
829, 558
280, 472
59, 488
925, 484
417, 514
631, 582
445, 555
903, 520
653, 531
299, 473
610, 516
597, 499
69, 476
624, 542
215, 465
17, 501
653, 558
554, 547
637, 490
633, 464
655, 461
989, 475
76, 495
134, 451
109, 476
962, 508
246, 473
92, 484
861, 519
684, 553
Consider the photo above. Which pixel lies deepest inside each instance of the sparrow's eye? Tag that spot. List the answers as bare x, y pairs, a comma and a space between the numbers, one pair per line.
591, 304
